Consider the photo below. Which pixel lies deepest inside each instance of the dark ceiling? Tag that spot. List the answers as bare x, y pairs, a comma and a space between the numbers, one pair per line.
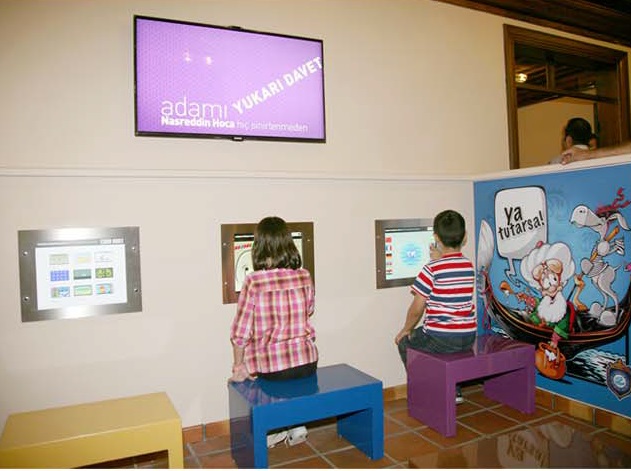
606, 20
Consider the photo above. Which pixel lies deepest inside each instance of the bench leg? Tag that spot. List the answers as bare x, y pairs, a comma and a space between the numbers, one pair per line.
248, 439
176, 456
241, 438
516, 389
432, 394
259, 444
364, 429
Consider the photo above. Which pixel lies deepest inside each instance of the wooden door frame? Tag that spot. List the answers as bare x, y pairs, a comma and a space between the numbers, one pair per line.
515, 35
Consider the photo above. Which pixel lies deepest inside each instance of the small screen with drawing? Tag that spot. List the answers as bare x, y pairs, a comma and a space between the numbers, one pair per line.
236, 254
401, 248
243, 256
406, 251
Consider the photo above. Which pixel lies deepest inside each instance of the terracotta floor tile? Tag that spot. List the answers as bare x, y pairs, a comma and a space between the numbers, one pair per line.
621, 442
467, 407
191, 463
487, 422
571, 421
463, 435
315, 462
355, 459
479, 398
401, 447
403, 417
218, 460
540, 413
326, 439
395, 405
390, 427
282, 453
211, 445
458, 457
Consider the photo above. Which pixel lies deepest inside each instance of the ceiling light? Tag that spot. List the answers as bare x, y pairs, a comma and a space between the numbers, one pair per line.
521, 78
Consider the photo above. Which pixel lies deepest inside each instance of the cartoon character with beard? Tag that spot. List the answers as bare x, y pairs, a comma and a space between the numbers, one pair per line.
547, 268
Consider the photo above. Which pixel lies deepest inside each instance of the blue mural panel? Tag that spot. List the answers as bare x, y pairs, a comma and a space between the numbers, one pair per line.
553, 262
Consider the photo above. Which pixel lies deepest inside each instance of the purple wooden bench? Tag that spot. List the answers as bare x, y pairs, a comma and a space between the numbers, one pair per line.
506, 366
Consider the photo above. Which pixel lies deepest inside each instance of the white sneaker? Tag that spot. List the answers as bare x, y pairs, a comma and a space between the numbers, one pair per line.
274, 439
459, 398
297, 435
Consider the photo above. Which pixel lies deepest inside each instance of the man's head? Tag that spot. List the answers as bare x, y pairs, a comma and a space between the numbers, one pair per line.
577, 131
449, 227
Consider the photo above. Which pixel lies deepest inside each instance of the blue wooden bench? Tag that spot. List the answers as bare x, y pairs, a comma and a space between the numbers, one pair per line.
260, 406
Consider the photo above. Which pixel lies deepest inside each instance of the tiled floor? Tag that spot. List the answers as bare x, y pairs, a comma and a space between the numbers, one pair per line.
481, 423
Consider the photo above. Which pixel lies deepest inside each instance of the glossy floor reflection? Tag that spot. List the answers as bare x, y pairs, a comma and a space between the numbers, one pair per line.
550, 445
488, 435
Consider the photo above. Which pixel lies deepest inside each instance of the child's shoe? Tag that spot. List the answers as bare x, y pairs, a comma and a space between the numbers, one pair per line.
297, 435
274, 439
459, 398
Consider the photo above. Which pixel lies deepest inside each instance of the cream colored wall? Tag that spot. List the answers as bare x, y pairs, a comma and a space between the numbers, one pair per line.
415, 104
179, 343
398, 84
543, 123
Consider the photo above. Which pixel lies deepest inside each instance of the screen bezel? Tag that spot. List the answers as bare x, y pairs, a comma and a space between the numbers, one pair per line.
381, 227
229, 136
228, 233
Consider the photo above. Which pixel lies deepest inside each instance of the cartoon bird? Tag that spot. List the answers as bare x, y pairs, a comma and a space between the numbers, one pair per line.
596, 268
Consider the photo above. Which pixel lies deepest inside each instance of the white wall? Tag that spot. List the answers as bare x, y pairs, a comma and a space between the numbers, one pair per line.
415, 99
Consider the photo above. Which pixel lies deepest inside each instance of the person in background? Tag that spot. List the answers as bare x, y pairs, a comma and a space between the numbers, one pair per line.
576, 155
441, 317
271, 335
577, 134
593, 142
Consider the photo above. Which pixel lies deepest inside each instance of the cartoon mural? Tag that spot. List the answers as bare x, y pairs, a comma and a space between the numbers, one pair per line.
554, 270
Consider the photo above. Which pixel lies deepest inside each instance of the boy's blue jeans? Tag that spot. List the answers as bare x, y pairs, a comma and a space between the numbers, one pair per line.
421, 340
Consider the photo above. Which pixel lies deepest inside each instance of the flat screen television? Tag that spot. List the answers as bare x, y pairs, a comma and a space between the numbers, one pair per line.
401, 248
200, 80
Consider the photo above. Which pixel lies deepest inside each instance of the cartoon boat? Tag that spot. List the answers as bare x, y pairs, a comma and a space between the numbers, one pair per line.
585, 332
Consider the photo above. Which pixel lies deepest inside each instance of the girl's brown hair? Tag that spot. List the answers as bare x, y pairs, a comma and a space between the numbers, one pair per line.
273, 246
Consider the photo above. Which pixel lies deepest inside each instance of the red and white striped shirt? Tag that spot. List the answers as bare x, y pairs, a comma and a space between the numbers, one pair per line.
447, 284
272, 321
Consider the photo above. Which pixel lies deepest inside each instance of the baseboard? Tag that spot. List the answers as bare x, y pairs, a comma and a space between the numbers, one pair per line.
598, 417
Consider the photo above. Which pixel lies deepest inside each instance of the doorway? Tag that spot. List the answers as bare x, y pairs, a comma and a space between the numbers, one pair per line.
550, 79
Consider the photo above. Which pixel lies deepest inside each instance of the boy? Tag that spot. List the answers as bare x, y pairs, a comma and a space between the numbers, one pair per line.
443, 296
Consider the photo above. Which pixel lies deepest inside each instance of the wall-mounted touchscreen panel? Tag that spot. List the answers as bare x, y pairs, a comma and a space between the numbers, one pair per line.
236, 253
401, 250
79, 272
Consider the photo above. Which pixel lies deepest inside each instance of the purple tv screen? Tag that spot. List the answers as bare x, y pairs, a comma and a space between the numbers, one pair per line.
195, 80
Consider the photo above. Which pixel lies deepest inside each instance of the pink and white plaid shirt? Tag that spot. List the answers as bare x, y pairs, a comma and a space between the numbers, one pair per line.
272, 321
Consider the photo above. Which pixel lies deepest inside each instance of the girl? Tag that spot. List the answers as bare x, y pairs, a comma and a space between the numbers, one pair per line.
271, 334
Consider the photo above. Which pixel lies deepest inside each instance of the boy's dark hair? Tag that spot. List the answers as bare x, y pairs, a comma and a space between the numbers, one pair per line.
273, 246
449, 226
579, 130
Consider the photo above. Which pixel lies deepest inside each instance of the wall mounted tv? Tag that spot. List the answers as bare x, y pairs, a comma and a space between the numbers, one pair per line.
199, 80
